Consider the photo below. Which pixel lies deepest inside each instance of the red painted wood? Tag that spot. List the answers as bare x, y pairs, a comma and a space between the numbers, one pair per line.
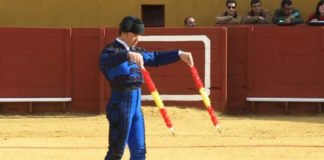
287, 62
67, 62
86, 47
32, 62
238, 50
274, 61
246, 60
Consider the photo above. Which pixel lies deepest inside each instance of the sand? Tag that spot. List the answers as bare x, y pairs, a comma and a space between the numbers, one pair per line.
72, 136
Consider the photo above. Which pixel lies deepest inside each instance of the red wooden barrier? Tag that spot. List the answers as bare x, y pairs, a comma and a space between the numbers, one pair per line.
35, 62
86, 46
286, 62
274, 61
245, 61
239, 45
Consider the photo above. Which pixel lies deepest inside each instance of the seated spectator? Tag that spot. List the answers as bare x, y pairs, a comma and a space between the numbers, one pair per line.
257, 15
230, 16
190, 22
287, 15
318, 15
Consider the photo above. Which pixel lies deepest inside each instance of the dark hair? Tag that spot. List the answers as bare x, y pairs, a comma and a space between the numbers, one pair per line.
131, 24
186, 19
254, 1
286, 2
317, 12
230, 1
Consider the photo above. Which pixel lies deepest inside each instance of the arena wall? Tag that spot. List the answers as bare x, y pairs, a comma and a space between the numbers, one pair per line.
245, 61
35, 62
73, 67
275, 61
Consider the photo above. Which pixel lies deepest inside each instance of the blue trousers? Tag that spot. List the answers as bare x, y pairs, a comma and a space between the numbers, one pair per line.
126, 125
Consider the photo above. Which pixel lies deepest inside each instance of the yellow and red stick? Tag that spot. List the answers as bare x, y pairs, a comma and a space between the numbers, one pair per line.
157, 99
205, 98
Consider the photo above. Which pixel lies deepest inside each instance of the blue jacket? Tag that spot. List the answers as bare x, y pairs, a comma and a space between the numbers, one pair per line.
124, 74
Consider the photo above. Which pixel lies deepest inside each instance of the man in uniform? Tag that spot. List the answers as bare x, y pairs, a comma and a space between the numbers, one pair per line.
121, 63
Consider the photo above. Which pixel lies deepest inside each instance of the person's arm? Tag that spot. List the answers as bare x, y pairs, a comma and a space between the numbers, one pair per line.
157, 58
297, 18
237, 20
266, 18
186, 57
162, 58
111, 57
251, 19
277, 17
223, 19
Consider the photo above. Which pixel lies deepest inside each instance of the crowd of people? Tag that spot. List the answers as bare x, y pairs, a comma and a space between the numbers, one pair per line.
285, 15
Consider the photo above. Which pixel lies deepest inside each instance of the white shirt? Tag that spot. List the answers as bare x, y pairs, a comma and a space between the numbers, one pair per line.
123, 43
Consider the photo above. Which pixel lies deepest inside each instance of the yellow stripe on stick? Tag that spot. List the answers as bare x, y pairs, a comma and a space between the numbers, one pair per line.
205, 97
157, 99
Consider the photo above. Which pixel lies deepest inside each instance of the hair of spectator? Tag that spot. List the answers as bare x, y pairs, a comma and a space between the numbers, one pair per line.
286, 2
255, 1
317, 12
186, 19
230, 1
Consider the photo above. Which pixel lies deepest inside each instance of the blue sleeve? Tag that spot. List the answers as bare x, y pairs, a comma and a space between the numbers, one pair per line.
111, 57
160, 58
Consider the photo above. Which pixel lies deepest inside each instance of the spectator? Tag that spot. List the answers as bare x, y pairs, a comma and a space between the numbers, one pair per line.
287, 15
230, 16
318, 15
257, 15
190, 22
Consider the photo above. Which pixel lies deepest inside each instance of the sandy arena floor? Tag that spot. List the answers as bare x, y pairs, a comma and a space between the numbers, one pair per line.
84, 137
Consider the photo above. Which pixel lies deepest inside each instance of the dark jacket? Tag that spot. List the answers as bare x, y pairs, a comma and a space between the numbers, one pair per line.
226, 19
250, 18
279, 15
124, 74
